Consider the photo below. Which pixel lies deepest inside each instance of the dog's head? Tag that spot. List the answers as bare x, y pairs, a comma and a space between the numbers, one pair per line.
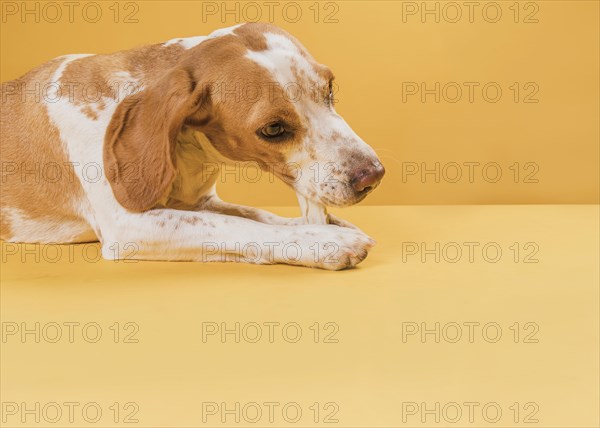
257, 95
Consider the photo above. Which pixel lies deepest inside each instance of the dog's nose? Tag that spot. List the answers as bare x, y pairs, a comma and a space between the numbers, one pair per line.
366, 178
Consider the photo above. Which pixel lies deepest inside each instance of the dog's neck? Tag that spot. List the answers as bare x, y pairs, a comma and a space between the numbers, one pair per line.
197, 164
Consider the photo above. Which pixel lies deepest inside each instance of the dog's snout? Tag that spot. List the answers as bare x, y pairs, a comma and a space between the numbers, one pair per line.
366, 178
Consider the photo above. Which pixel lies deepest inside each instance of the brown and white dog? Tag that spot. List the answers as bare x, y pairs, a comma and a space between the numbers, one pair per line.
86, 158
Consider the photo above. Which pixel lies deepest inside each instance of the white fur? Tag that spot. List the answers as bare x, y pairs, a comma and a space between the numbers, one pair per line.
224, 31
186, 42
190, 42
46, 230
313, 212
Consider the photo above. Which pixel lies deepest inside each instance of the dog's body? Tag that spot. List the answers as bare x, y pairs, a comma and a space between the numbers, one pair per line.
111, 148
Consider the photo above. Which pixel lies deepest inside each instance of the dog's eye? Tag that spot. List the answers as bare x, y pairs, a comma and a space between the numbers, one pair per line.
273, 130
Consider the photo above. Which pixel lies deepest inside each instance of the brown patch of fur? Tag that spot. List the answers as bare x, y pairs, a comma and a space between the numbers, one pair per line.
89, 112
192, 220
93, 79
30, 142
5, 229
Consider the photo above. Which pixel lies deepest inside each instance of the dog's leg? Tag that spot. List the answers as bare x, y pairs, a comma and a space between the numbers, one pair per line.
214, 204
167, 234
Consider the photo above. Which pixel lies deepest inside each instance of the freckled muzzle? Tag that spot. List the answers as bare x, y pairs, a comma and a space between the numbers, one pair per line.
339, 169
352, 185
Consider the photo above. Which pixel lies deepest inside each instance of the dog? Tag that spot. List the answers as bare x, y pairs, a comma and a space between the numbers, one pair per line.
110, 147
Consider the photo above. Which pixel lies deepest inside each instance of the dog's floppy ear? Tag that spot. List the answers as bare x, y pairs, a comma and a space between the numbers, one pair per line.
140, 140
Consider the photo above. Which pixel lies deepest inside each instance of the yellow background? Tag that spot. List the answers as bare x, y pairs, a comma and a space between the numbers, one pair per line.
369, 372
372, 51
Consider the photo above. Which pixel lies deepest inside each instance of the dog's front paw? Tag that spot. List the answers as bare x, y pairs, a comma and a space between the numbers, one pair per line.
335, 248
351, 249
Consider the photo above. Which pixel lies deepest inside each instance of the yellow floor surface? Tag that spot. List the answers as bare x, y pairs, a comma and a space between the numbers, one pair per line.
500, 330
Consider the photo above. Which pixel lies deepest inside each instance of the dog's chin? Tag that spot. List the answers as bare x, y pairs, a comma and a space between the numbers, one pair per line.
337, 202
346, 198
